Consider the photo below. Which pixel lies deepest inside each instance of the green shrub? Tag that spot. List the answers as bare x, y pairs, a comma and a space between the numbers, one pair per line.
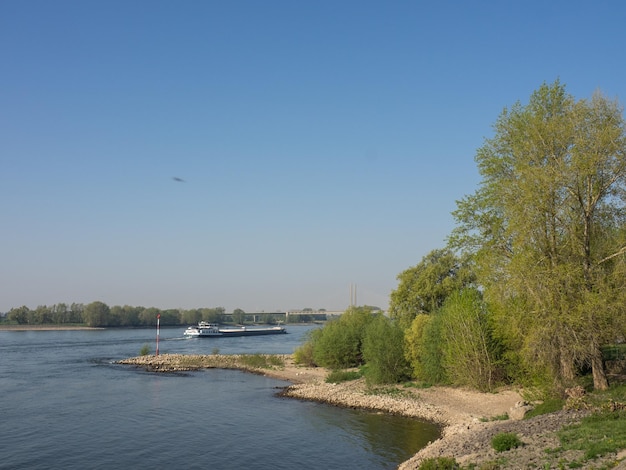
423, 348
338, 376
303, 355
145, 350
338, 345
439, 463
505, 441
383, 351
468, 349
414, 344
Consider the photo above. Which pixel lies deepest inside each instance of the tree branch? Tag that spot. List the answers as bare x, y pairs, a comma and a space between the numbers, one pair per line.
621, 251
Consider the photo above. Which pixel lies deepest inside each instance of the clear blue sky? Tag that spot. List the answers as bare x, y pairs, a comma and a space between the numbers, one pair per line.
321, 143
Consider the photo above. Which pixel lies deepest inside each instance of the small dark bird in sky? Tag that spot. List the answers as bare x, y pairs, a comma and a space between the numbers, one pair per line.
177, 179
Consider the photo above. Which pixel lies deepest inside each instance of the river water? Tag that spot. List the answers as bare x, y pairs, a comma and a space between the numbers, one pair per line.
65, 404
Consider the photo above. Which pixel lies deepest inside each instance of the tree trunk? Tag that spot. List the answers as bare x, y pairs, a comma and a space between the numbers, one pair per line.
600, 381
568, 371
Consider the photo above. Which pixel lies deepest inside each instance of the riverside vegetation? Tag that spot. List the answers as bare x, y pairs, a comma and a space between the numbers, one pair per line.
347, 348
529, 291
99, 315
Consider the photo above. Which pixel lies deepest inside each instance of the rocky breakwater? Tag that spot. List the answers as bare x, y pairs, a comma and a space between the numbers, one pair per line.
307, 383
449, 407
190, 362
356, 394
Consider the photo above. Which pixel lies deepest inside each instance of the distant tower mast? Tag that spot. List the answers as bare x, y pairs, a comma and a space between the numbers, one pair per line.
353, 295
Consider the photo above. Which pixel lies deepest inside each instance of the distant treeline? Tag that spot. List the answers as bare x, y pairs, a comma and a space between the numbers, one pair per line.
99, 314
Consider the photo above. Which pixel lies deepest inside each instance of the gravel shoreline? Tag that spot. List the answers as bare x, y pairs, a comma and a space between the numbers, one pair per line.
464, 415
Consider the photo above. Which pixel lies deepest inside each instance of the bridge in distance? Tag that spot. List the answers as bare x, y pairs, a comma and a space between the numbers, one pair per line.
284, 316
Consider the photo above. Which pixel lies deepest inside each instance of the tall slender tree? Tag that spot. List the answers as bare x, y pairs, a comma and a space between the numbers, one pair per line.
544, 227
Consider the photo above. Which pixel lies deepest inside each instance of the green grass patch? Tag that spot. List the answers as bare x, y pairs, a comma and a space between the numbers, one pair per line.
615, 393
145, 350
505, 441
417, 384
502, 417
192, 361
439, 463
491, 465
574, 464
262, 361
338, 376
596, 435
389, 391
549, 405
601, 400
618, 392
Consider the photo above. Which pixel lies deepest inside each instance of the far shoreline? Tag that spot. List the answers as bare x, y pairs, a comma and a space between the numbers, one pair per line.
47, 327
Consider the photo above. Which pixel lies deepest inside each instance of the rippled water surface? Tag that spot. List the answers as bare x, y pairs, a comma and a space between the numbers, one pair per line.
65, 404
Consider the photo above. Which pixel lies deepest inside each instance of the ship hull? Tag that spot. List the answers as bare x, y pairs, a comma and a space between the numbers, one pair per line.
206, 330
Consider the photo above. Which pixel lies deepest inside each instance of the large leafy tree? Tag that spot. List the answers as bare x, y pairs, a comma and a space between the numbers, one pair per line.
191, 317
61, 313
239, 316
424, 287
97, 314
216, 315
19, 314
545, 227
148, 316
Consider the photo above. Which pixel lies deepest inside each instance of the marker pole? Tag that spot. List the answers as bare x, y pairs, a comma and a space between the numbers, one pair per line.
158, 332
